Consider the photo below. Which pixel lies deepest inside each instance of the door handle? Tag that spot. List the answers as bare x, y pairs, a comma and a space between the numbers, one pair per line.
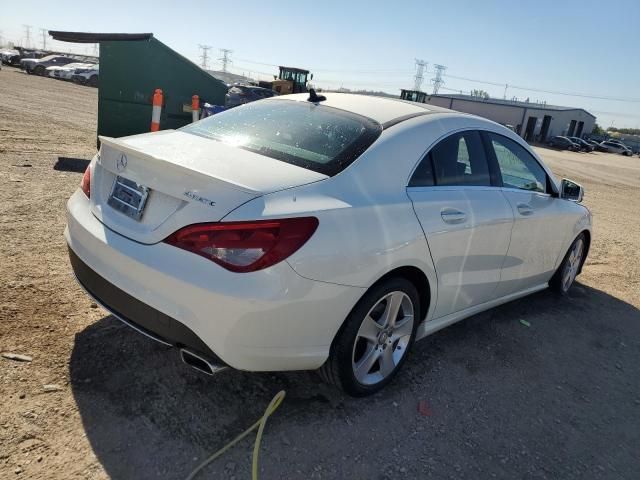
451, 215
525, 209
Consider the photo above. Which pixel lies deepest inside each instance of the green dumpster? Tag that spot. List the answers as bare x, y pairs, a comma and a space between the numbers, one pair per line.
132, 66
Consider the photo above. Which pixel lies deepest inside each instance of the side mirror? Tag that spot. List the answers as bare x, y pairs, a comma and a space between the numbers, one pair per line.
311, 77
571, 191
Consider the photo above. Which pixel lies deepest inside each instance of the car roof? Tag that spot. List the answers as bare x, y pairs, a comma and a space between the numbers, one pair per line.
383, 110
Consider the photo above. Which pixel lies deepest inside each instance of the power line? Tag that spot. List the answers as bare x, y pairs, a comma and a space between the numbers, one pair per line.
257, 63
420, 67
204, 56
540, 90
225, 58
336, 70
580, 95
457, 77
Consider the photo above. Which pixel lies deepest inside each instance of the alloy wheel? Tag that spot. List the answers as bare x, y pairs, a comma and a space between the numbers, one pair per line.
573, 264
383, 338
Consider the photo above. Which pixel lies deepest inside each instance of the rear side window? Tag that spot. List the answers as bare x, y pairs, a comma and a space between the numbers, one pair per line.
457, 160
519, 169
316, 137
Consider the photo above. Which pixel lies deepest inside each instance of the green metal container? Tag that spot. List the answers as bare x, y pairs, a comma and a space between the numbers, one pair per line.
132, 66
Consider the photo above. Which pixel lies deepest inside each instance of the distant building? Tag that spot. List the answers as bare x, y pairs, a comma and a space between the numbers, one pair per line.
533, 121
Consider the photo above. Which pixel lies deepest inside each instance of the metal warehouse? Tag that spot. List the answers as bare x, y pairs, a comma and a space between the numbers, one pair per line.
535, 122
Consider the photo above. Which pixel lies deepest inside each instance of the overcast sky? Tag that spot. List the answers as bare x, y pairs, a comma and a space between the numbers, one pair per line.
555, 46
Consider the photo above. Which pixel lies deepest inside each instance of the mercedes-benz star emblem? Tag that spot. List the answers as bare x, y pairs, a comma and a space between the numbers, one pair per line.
121, 164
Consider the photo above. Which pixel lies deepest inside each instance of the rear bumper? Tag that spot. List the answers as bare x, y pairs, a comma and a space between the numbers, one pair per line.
269, 320
138, 315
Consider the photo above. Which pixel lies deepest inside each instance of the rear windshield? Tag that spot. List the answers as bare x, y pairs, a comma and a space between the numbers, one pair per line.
316, 137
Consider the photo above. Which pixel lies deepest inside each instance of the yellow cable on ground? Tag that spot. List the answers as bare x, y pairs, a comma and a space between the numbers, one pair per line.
272, 407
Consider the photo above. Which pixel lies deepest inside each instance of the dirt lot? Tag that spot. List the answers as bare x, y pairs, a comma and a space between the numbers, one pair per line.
558, 399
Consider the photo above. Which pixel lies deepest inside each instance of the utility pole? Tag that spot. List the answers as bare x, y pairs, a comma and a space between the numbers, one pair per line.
204, 56
44, 38
437, 80
420, 67
27, 35
506, 85
225, 52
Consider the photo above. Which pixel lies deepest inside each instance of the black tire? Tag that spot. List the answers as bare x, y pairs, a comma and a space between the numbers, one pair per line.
39, 70
93, 81
558, 282
338, 369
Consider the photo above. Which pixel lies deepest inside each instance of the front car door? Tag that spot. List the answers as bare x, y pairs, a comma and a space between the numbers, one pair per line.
466, 220
538, 233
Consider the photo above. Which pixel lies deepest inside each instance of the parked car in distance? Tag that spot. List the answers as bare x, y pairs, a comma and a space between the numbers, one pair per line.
583, 144
10, 57
65, 72
597, 147
38, 66
241, 94
304, 232
89, 75
617, 147
563, 143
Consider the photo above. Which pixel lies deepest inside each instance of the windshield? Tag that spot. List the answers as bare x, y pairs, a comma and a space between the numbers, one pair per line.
315, 137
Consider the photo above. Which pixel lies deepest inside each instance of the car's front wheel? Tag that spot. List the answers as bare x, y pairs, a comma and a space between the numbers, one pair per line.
570, 266
375, 338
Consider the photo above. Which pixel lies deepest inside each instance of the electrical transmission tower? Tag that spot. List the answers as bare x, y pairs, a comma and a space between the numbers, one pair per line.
27, 35
204, 56
437, 80
44, 38
226, 53
420, 67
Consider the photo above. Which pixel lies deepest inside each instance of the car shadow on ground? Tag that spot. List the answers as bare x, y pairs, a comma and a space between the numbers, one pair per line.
541, 386
69, 164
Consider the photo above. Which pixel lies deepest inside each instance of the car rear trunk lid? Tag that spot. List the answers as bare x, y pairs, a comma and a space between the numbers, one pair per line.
185, 178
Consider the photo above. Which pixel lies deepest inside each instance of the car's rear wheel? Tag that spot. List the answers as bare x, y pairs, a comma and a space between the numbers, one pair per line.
39, 70
570, 267
93, 81
375, 339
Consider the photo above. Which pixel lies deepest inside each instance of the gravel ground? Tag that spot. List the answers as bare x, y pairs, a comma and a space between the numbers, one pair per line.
557, 399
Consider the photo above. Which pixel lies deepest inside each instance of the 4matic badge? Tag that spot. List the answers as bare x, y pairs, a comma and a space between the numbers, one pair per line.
198, 198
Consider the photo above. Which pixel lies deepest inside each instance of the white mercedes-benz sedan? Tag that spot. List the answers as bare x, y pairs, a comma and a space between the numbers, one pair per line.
304, 232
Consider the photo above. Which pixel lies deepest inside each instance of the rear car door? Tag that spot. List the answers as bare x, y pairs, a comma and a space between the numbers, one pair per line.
538, 232
467, 220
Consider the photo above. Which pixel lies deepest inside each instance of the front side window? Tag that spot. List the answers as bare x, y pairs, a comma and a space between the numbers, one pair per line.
316, 137
519, 169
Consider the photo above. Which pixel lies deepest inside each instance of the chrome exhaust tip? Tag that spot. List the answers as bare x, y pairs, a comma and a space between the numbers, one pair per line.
200, 363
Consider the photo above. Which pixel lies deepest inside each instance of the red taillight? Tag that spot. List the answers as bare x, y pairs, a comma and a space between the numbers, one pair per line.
245, 246
85, 183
